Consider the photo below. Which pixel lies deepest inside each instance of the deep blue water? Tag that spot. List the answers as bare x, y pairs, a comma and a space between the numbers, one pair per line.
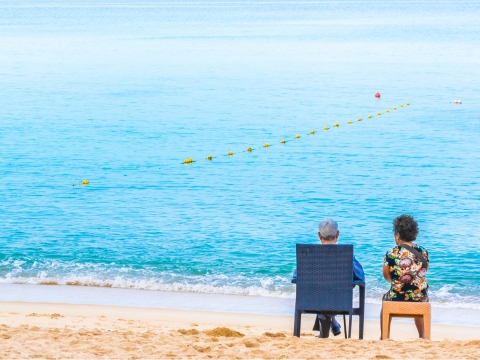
120, 93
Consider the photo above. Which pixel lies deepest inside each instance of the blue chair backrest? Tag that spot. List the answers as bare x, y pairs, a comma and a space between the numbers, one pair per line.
324, 277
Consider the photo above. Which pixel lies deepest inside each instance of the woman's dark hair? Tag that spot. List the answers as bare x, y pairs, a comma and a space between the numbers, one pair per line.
406, 227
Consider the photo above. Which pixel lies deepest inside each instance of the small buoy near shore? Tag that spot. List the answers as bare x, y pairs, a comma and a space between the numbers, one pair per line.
186, 161
249, 149
266, 145
377, 95
312, 132
325, 128
283, 141
457, 101
387, 111
379, 113
230, 153
360, 119
401, 105
395, 108
350, 122
337, 124
209, 157
297, 137
369, 116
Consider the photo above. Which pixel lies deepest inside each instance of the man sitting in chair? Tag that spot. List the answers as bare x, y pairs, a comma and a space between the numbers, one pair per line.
328, 233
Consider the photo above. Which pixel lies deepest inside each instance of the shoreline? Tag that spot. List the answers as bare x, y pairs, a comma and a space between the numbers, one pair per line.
100, 296
45, 330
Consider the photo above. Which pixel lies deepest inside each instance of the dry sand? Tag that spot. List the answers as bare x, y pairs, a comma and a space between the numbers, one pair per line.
40, 330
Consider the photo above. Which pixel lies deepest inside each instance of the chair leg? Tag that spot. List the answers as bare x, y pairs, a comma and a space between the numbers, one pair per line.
297, 323
345, 326
361, 319
350, 325
316, 324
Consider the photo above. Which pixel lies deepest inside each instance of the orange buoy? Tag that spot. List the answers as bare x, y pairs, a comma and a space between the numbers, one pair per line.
377, 95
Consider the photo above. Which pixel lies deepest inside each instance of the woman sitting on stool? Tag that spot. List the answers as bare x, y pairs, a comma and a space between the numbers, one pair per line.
405, 267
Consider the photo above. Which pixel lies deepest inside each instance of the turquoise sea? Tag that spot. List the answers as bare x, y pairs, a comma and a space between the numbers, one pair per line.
121, 92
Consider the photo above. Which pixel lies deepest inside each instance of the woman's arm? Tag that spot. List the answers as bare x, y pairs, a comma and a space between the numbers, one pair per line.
386, 273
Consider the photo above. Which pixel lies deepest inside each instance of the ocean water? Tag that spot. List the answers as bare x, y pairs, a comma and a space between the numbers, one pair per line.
121, 92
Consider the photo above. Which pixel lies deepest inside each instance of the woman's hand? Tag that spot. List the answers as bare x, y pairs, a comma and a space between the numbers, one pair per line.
386, 273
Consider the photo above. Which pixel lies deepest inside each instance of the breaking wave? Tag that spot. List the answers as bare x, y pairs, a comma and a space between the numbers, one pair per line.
115, 276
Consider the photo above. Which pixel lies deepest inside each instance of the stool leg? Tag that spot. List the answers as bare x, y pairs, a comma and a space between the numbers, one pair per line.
386, 319
427, 323
389, 325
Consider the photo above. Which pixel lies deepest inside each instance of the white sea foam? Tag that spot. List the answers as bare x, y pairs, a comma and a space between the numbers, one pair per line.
445, 297
52, 272
152, 284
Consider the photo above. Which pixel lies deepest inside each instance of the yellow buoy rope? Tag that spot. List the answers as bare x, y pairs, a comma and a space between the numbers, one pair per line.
283, 141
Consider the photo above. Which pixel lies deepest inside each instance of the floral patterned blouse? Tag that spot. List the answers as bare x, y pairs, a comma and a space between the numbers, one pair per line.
409, 282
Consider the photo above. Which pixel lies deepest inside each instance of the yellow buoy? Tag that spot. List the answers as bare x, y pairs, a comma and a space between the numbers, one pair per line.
387, 111
249, 149
401, 105
360, 119
230, 153
297, 137
369, 116
408, 104
312, 132
85, 182
266, 145
337, 124
350, 122
186, 161
283, 141
325, 128
379, 113
395, 108
209, 157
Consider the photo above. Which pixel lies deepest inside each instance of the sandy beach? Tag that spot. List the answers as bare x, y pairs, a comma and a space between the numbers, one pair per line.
46, 330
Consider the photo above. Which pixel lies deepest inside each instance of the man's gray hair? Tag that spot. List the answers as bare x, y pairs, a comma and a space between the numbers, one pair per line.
328, 229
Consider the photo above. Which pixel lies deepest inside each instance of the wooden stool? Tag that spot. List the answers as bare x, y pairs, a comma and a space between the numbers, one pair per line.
405, 309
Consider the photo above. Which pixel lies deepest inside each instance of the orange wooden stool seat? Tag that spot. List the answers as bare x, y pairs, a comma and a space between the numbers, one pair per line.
405, 309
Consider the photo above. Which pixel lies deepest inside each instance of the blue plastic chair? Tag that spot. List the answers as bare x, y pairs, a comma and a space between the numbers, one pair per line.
325, 284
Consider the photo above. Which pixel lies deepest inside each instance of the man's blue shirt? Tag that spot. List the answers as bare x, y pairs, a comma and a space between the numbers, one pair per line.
358, 274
